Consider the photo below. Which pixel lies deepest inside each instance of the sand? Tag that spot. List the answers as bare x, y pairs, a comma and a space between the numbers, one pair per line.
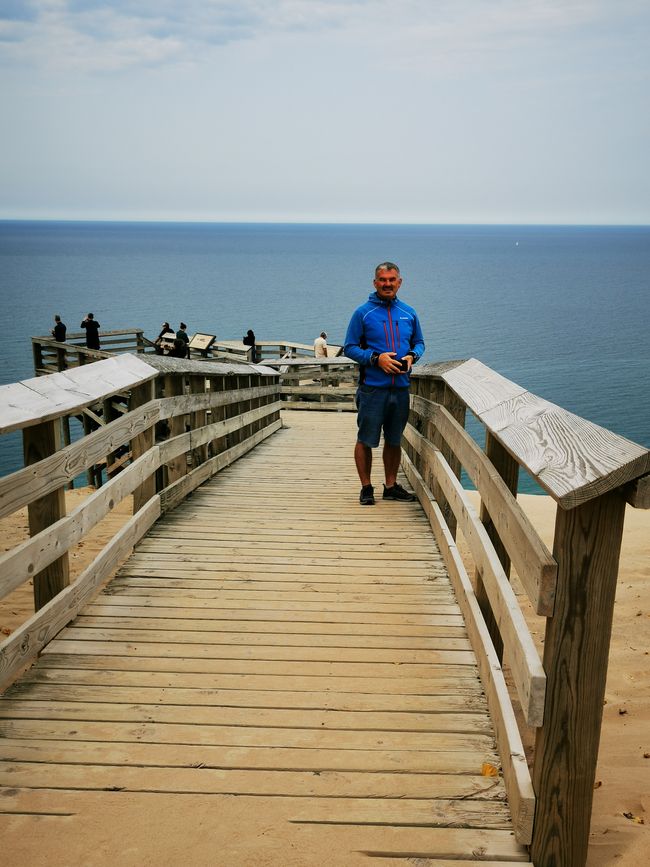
622, 795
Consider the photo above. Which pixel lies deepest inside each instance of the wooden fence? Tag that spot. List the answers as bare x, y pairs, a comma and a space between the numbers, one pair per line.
178, 422
591, 473
51, 356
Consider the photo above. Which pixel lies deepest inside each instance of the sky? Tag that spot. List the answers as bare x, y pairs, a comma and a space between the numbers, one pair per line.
395, 111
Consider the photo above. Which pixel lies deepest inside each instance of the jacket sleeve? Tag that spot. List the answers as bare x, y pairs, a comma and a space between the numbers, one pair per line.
417, 338
354, 339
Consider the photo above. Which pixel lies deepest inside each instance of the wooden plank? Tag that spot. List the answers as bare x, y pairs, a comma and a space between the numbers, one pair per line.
45, 686
263, 717
182, 404
142, 673
476, 745
310, 800
131, 658
187, 631
116, 641
515, 768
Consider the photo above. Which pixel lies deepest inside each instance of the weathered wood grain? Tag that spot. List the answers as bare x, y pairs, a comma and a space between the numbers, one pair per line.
573, 459
47, 397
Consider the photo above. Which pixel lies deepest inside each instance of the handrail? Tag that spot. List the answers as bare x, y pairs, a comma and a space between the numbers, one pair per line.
573, 459
180, 422
591, 473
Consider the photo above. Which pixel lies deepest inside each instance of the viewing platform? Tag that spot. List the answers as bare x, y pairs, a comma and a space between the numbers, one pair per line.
256, 670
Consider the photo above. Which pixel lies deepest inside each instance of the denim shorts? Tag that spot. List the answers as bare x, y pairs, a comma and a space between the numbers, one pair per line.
378, 408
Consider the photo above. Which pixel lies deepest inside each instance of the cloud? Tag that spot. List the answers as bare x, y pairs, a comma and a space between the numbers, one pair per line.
91, 35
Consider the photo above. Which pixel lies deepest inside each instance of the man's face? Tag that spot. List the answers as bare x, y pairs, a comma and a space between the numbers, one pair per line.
387, 284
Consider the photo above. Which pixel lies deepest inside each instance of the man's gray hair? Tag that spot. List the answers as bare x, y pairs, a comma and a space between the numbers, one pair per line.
386, 266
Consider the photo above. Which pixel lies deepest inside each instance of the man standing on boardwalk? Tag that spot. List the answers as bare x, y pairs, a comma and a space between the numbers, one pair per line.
59, 330
385, 338
91, 325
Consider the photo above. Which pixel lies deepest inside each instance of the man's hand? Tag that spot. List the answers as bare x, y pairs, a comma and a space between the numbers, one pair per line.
389, 362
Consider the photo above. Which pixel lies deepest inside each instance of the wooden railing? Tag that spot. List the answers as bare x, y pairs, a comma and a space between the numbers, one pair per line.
178, 423
51, 356
591, 473
317, 383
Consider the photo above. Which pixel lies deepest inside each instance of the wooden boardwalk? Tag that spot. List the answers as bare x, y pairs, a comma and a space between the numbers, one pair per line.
276, 677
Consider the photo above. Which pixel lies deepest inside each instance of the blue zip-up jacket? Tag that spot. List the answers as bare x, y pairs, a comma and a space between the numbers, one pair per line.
383, 326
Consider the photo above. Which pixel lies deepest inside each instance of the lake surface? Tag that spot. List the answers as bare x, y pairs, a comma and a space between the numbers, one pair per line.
562, 310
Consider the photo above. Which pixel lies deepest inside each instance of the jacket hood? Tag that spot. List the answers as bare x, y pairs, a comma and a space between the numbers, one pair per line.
375, 299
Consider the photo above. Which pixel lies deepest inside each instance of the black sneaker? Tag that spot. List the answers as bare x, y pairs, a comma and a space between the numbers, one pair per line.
367, 496
397, 492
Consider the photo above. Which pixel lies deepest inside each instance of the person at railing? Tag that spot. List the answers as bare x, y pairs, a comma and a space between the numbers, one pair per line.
320, 346
249, 340
91, 327
59, 330
158, 342
181, 334
385, 338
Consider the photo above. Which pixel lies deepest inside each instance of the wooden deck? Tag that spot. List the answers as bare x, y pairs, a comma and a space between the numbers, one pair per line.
276, 677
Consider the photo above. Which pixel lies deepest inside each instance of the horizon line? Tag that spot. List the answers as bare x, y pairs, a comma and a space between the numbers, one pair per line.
294, 222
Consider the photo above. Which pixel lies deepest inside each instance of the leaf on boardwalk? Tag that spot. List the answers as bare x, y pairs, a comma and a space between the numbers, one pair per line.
488, 770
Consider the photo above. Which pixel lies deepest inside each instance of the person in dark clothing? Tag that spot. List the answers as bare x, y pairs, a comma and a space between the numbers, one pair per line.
179, 350
158, 342
249, 340
181, 334
91, 327
59, 330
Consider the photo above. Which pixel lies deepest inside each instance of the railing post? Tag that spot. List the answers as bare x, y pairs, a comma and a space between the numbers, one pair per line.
587, 547
508, 469
37, 352
198, 420
140, 444
437, 391
176, 467
40, 441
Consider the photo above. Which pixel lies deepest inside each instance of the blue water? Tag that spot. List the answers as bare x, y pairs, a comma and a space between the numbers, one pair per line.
563, 310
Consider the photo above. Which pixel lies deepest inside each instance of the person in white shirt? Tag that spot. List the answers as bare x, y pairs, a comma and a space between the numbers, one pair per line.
320, 346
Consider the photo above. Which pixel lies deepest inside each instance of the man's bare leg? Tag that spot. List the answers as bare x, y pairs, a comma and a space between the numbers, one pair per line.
363, 460
392, 456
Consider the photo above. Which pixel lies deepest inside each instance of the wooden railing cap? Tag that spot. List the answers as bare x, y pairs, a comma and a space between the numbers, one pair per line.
165, 364
42, 398
573, 459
